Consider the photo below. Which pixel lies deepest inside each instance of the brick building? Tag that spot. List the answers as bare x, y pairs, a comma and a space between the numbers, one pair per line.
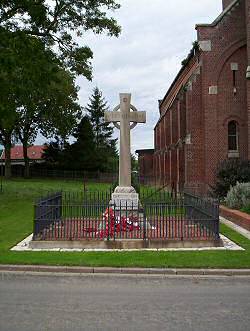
205, 114
35, 155
146, 165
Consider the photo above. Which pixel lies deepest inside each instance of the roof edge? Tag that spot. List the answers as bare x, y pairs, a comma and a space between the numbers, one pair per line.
182, 69
147, 150
220, 17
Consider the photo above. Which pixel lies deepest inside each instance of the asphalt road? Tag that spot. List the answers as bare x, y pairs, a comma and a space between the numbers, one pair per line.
105, 302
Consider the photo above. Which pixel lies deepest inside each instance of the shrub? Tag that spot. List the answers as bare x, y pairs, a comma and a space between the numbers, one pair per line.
228, 173
238, 196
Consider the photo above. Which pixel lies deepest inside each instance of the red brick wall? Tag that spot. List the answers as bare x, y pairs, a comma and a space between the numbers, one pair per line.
247, 12
230, 105
146, 165
227, 37
236, 216
205, 116
195, 127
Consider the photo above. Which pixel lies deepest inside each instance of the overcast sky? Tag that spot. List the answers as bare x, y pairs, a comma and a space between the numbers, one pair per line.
156, 36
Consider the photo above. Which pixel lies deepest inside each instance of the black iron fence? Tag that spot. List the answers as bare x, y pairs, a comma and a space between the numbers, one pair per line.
162, 215
83, 175
48, 212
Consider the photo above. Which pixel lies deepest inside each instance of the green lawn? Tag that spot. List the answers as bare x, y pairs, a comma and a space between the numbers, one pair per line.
16, 216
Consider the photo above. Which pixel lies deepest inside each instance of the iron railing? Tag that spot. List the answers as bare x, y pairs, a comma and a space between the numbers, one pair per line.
83, 175
88, 215
48, 212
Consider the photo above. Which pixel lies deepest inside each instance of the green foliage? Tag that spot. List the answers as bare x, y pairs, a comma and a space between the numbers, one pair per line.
238, 196
82, 153
56, 22
134, 163
39, 60
246, 209
38, 93
195, 49
105, 146
228, 173
94, 148
135, 182
60, 111
53, 152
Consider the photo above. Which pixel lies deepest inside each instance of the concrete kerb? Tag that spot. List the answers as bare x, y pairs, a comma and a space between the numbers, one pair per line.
124, 271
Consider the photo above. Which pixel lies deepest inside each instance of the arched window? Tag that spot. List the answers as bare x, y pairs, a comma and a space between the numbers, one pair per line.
233, 136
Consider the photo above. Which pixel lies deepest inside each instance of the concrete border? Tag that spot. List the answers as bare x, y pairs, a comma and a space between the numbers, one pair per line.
78, 246
123, 271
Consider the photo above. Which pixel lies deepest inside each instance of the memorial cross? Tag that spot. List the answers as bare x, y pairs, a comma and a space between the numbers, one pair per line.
124, 116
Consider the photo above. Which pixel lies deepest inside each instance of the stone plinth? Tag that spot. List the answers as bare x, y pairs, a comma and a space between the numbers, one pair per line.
125, 198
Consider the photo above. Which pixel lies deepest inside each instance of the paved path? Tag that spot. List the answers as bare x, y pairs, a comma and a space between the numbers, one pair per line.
108, 302
235, 227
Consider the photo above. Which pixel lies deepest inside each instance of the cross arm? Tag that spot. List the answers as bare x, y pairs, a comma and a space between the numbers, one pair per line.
112, 116
137, 116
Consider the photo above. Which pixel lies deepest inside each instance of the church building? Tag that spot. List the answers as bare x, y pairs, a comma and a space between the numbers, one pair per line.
205, 114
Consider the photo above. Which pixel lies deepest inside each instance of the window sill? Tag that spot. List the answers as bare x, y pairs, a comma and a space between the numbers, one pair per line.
233, 154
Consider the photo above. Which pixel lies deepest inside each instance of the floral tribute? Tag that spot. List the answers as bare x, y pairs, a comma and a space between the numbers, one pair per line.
118, 225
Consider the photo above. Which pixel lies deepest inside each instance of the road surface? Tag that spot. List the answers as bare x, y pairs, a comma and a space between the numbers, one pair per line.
30, 302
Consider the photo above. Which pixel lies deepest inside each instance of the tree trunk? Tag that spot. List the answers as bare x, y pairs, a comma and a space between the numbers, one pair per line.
26, 160
7, 147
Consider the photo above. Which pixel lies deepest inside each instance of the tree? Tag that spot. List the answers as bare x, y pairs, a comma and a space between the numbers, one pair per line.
8, 102
57, 23
8, 120
37, 27
54, 113
38, 94
79, 155
53, 152
105, 145
82, 153
7, 126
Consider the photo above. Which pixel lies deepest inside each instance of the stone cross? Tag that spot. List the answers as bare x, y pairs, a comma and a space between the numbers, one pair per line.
124, 116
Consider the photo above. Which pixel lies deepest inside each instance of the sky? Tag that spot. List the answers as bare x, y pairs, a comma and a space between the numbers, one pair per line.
156, 36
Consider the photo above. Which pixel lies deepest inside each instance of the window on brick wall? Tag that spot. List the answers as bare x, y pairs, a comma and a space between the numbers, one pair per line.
233, 139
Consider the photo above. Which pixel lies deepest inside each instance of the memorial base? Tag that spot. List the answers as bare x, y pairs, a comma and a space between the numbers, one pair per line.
125, 198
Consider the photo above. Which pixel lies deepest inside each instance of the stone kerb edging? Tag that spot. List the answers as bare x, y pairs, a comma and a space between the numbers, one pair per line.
125, 271
24, 245
238, 217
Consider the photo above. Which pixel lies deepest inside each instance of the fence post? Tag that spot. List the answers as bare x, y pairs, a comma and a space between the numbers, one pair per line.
144, 223
217, 229
109, 223
34, 222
